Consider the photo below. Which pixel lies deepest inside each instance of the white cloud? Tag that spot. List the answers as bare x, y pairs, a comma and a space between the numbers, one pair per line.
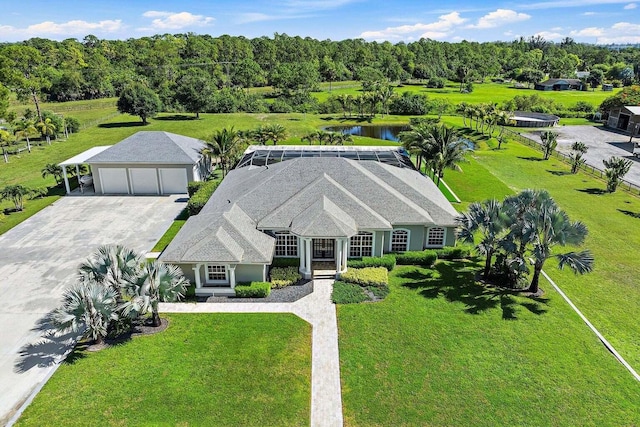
550, 35
500, 17
434, 30
311, 5
630, 6
589, 14
555, 4
66, 29
176, 21
588, 32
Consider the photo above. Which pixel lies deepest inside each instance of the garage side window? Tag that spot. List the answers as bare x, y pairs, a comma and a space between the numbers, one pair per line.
435, 237
399, 240
216, 273
286, 244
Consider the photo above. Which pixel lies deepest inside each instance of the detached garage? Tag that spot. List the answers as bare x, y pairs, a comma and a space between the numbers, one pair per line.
149, 163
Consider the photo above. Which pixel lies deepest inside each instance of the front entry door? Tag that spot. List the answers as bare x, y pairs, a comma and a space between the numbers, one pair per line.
323, 248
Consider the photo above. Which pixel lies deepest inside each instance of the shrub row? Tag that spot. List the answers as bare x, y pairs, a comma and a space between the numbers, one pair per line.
284, 276
285, 262
347, 293
201, 196
450, 252
253, 290
424, 258
369, 276
387, 261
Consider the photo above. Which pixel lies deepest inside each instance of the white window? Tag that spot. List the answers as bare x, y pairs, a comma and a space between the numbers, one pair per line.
361, 245
399, 240
286, 244
216, 273
435, 237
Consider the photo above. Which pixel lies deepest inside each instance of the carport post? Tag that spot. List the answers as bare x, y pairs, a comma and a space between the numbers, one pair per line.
66, 180
78, 177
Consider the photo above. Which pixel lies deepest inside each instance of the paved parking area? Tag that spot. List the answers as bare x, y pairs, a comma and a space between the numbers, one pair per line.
602, 143
39, 259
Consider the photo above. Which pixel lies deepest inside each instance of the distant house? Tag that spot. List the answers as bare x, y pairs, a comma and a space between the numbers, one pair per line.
325, 204
625, 118
560, 84
607, 87
583, 74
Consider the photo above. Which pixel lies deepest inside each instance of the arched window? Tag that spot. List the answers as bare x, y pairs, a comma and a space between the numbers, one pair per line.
399, 240
361, 245
435, 237
286, 244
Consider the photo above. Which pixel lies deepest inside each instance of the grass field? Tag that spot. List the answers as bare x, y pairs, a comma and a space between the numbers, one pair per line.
441, 350
205, 369
485, 92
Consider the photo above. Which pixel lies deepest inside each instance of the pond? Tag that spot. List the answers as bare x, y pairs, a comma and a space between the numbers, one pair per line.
387, 133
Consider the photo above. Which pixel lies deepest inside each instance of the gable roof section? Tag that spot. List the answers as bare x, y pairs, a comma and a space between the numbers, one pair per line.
635, 110
551, 82
152, 147
283, 215
324, 219
229, 236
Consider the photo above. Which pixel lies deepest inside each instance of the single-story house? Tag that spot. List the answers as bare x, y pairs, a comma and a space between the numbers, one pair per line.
560, 84
326, 203
625, 118
147, 162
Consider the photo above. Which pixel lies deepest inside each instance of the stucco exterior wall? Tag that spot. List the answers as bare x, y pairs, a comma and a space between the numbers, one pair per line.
249, 273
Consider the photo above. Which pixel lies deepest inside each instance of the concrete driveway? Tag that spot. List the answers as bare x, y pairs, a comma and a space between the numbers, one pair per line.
39, 259
602, 143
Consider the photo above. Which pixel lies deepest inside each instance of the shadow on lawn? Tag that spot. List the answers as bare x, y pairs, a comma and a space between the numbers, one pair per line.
455, 282
121, 125
559, 173
593, 191
629, 213
532, 159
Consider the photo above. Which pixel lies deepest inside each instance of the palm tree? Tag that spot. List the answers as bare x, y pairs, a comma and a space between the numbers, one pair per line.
154, 282
224, 146
276, 133
110, 266
6, 139
54, 170
260, 134
345, 102
385, 94
24, 128
417, 141
616, 169
90, 307
449, 149
371, 100
15, 193
47, 129
549, 226
549, 142
464, 110
359, 102
490, 220
314, 136
578, 149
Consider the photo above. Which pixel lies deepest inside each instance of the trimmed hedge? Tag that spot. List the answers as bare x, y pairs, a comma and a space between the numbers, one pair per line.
253, 290
285, 262
387, 261
369, 276
193, 186
201, 196
453, 253
347, 293
424, 258
284, 276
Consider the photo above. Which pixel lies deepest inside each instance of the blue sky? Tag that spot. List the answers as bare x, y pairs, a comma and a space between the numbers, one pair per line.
592, 21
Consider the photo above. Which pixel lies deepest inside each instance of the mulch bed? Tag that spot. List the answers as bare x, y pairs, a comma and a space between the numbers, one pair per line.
287, 294
137, 330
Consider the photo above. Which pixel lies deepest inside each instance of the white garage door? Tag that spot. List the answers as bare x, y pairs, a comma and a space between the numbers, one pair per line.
144, 180
174, 181
114, 181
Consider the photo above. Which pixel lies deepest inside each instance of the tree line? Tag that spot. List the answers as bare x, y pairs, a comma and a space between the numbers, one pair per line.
171, 65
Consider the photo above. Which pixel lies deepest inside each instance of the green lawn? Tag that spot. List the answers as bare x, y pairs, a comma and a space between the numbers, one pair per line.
608, 296
205, 369
482, 93
441, 350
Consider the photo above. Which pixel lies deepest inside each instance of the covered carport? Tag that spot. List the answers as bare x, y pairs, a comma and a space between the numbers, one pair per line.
77, 160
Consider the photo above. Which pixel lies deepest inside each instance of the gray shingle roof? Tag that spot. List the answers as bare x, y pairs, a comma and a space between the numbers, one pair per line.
313, 197
324, 219
152, 147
